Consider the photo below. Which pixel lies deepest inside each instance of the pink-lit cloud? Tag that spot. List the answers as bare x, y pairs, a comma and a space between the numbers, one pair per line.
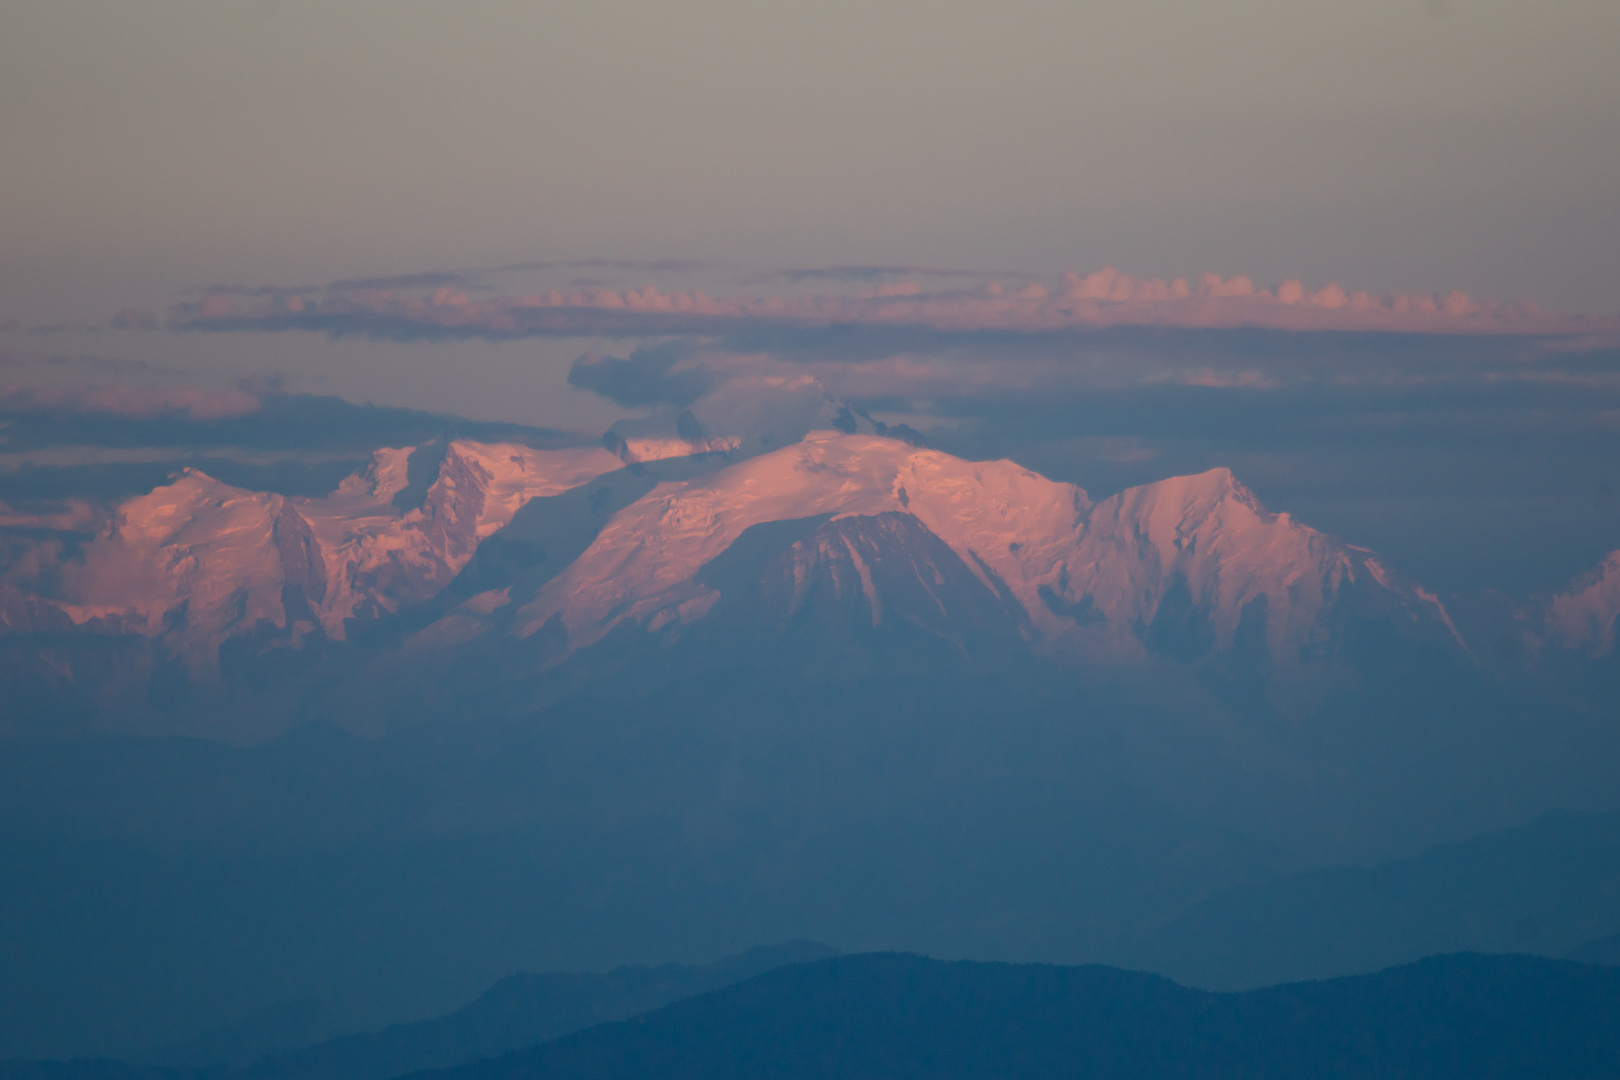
1005, 359
68, 515
1105, 298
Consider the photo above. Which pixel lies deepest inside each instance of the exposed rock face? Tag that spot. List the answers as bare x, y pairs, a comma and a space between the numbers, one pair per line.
996, 516
302, 564
1202, 548
857, 573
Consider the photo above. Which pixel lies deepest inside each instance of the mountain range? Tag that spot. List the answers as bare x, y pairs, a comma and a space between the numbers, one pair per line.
882, 1015
520, 1011
894, 1015
430, 548
493, 702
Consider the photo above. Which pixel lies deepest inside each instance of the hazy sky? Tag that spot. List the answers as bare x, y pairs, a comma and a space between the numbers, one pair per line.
1384, 144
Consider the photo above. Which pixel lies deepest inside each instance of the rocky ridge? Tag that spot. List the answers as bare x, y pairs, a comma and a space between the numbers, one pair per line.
1186, 567
1090, 580
197, 561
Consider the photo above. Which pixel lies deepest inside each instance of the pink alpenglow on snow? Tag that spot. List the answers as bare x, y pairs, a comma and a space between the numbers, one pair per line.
1087, 576
1584, 616
225, 556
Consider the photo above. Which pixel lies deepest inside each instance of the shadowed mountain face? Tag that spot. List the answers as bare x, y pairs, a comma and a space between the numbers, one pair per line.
1174, 569
858, 587
1461, 1016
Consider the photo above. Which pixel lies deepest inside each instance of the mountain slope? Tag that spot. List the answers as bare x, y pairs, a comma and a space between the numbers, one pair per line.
1205, 544
644, 566
521, 1011
896, 1016
1546, 887
1583, 617
1603, 950
1183, 568
197, 562
461, 573
1178, 567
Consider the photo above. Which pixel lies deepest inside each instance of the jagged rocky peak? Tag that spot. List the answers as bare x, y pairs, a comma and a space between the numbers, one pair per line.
842, 576
889, 529
216, 554
644, 565
197, 561
1092, 582
387, 474
1202, 548
1582, 617
383, 555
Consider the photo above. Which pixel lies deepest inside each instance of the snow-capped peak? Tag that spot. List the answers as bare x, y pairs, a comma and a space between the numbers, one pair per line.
1090, 579
1209, 535
1583, 616
197, 561
643, 565
377, 557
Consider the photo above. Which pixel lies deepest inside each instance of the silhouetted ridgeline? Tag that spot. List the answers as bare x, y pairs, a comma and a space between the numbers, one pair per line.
1603, 950
1547, 888
894, 1016
521, 1011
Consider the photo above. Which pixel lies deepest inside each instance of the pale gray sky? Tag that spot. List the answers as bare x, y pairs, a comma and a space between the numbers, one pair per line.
1384, 144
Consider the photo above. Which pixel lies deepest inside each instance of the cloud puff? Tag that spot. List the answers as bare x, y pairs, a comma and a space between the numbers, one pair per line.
661, 374
68, 515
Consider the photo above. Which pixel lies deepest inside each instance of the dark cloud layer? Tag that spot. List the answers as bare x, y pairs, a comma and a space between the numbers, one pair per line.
653, 375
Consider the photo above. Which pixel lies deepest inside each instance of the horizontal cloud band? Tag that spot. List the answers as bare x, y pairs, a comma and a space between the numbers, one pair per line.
1102, 299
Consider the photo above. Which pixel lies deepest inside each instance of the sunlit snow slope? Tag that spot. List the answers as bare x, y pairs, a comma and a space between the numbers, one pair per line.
198, 561
1185, 567
1583, 617
1090, 579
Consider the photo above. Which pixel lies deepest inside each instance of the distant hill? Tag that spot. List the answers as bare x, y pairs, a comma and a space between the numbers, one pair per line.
1603, 950
898, 1016
1544, 888
96, 1069
521, 1011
